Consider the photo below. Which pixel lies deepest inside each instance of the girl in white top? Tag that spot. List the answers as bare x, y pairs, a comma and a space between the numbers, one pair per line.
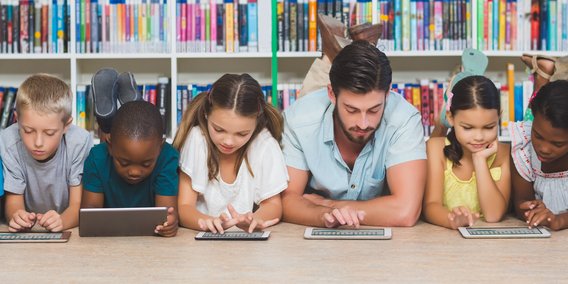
230, 158
539, 152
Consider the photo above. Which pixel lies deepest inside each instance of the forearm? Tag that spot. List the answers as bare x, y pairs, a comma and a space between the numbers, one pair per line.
492, 202
269, 211
560, 222
70, 217
387, 210
437, 214
13, 204
298, 210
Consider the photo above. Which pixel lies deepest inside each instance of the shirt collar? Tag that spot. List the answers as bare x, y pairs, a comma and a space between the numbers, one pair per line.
327, 124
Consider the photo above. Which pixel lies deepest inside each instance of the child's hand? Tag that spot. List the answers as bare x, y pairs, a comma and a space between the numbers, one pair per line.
217, 225
170, 227
21, 221
248, 222
343, 216
532, 204
538, 214
462, 217
51, 221
485, 153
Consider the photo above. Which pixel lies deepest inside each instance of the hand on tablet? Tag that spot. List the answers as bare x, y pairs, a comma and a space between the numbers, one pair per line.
50, 220
344, 216
538, 215
170, 227
249, 222
462, 217
21, 221
217, 225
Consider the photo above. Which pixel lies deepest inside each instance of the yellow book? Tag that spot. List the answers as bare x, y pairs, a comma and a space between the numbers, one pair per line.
312, 25
416, 101
511, 88
502, 23
229, 27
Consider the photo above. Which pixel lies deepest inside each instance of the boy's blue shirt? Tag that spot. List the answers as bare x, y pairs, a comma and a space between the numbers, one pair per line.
100, 176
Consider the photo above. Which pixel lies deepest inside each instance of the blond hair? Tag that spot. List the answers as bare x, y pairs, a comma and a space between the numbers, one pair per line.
45, 93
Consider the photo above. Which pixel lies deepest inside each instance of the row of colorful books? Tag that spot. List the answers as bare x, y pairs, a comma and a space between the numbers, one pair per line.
297, 22
425, 24
122, 26
157, 94
40, 26
522, 25
428, 97
223, 26
185, 93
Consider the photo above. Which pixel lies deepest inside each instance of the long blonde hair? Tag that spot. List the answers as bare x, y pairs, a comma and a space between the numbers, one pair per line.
240, 93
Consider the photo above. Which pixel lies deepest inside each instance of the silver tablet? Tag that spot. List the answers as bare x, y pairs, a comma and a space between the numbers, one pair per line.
136, 221
348, 234
503, 232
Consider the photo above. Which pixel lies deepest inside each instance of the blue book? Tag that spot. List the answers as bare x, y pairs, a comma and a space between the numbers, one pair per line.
179, 103
552, 24
397, 25
495, 25
518, 101
252, 26
427, 42
413, 38
78, 43
544, 16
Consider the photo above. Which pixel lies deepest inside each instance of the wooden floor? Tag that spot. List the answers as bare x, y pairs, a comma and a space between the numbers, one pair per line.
424, 253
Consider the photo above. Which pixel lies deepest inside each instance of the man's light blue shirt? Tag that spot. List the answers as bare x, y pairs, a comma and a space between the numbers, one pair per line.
309, 145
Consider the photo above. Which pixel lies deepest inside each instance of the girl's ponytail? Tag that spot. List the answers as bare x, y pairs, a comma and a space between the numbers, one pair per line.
453, 151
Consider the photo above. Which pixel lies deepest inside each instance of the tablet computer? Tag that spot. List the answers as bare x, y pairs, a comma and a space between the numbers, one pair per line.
503, 232
348, 234
136, 221
233, 236
35, 237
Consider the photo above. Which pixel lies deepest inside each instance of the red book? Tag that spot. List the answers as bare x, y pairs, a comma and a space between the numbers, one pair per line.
535, 24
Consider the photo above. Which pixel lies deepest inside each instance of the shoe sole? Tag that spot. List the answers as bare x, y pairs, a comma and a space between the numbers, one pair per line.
126, 88
102, 93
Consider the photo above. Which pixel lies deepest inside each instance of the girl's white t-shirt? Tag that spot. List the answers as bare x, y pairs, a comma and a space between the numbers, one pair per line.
266, 161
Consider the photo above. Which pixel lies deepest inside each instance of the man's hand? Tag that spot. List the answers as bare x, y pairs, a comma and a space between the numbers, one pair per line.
344, 216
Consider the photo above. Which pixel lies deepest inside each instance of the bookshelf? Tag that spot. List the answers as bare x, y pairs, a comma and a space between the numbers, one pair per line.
268, 65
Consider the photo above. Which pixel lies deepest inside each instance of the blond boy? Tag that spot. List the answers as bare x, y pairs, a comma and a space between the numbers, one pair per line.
43, 157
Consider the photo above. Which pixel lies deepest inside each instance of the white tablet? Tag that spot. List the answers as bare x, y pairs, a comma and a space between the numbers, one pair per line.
503, 232
348, 234
136, 221
233, 236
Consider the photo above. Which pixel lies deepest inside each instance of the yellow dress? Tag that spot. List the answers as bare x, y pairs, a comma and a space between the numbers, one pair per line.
459, 192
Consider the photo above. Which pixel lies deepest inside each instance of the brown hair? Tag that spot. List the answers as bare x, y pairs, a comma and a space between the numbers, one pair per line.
243, 95
45, 93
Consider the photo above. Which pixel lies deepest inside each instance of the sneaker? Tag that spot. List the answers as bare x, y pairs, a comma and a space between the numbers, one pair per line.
103, 97
125, 88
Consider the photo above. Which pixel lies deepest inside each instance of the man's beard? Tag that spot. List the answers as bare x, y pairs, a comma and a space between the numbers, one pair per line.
358, 140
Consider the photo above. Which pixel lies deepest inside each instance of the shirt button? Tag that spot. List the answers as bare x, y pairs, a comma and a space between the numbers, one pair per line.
353, 186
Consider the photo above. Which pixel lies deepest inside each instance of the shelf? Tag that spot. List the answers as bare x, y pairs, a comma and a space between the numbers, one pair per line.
34, 56
224, 55
300, 54
122, 55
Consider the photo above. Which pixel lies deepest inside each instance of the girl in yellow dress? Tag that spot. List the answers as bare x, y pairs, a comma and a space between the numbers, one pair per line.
468, 171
